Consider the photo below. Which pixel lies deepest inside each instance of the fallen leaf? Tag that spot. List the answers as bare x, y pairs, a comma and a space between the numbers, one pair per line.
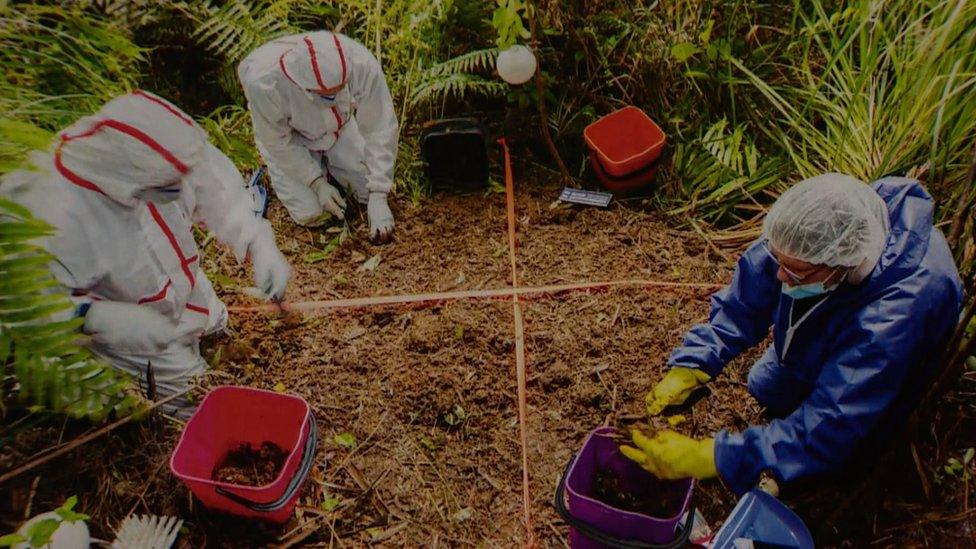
378, 534
346, 440
280, 387
370, 264
330, 503
357, 257
353, 333
463, 515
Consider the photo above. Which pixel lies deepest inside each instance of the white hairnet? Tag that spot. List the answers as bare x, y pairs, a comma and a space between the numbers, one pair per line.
831, 219
317, 62
134, 142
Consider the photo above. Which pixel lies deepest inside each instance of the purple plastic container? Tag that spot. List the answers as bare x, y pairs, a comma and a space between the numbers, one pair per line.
596, 524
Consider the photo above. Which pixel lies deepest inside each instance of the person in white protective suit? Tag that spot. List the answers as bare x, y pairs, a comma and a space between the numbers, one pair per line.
322, 112
123, 188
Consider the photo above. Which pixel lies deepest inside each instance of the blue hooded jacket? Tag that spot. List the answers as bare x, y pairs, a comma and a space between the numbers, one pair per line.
851, 366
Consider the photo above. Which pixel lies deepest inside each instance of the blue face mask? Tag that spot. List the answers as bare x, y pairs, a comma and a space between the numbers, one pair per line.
320, 95
813, 289
806, 290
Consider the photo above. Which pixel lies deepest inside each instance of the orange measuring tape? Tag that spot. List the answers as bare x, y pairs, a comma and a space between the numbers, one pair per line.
529, 292
519, 346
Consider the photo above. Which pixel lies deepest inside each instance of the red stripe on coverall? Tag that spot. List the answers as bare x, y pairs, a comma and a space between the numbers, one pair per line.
197, 309
315, 64
158, 296
164, 104
72, 176
284, 71
339, 121
132, 131
342, 57
184, 262
120, 127
313, 57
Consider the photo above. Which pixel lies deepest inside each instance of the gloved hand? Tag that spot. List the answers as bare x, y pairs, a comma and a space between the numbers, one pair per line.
129, 327
271, 269
669, 455
329, 197
380, 218
674, 389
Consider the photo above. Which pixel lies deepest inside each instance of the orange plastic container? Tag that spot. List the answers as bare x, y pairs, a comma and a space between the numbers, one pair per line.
625, 141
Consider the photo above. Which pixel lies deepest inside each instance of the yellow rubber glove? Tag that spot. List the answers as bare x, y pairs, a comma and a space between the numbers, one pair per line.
669, 455
675, 388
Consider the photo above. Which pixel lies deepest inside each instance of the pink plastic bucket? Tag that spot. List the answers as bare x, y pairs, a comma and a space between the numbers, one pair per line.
230, 416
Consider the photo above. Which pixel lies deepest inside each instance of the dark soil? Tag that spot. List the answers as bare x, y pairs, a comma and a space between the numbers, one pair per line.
249, 466
663, 502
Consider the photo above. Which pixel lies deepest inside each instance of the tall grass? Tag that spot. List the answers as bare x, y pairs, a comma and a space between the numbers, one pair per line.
873, 88
881, 87
58, 64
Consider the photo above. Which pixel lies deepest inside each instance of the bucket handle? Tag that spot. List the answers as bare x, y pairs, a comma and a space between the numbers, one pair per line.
308, 457
608, 540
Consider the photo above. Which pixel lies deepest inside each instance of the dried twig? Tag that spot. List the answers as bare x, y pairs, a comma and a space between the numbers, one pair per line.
966, 199
922, 476
82, 440
543, 109
30, 498
945, 518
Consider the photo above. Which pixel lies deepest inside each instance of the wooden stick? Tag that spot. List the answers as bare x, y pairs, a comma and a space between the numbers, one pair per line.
926, 488
541, 97
965, 199
82, 440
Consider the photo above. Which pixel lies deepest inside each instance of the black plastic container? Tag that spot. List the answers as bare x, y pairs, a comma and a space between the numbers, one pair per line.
455, 151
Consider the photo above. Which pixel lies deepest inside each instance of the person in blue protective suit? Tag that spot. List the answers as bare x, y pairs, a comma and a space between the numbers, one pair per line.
862, 295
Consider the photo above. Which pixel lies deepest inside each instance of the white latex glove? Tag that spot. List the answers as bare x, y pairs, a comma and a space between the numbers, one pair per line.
129, 327
380, 218
271, 269
329, 197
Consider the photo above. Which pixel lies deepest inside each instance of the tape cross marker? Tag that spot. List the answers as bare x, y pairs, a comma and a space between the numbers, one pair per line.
514, 292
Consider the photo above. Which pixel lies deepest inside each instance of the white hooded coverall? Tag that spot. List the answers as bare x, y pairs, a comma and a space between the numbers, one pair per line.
303, 136
112, 245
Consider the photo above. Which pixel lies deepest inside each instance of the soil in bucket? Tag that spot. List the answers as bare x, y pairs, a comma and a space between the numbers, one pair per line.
247, 466
664, 501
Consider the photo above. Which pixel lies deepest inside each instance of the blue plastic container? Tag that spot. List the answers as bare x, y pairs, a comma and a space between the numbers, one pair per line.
766, 521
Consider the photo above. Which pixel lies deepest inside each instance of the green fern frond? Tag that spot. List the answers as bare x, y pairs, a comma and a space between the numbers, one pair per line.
236, 28
51, 370
458, 86
475, 61
723, 171
59, 63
